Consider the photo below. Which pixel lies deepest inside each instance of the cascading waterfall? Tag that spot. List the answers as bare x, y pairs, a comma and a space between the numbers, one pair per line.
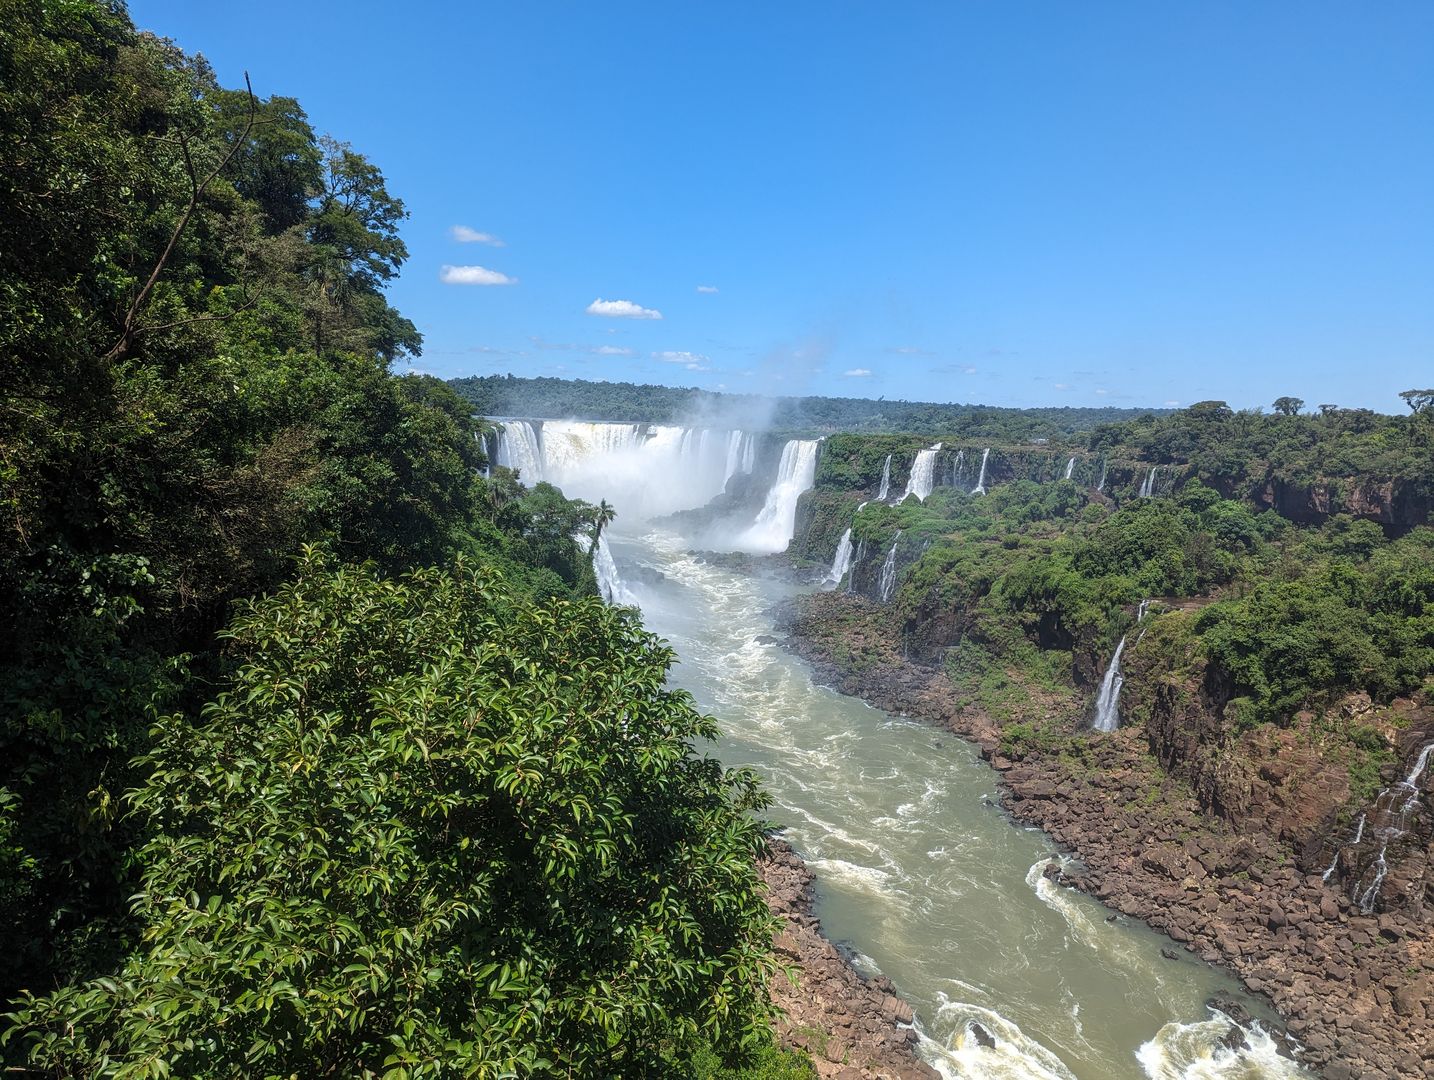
646, 470
923, 473
841, 562
1107, 713
980, 488
1354, 843
1388, 821
885, 480
609, 583
1070, 468
1100, 484
521, 449
888, 570
773, 529
1147, 489
856, 561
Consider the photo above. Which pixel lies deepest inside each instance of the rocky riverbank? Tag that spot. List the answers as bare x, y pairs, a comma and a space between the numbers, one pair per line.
1357, 991
854, 1027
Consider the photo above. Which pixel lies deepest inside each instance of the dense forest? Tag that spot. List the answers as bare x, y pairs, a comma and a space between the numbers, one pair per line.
578, 399
1288, 556
318, 753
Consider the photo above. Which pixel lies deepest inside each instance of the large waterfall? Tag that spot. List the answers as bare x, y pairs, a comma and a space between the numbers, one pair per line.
609, 584
778, 518
980, 488
645, 470
841, 562
888, 570
923, 473
1107, 702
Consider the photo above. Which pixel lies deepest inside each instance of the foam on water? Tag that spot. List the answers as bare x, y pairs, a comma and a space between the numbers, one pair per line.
1195, 1051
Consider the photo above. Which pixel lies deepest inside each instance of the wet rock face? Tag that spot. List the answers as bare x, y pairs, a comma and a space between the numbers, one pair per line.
1393, 504
854, 1027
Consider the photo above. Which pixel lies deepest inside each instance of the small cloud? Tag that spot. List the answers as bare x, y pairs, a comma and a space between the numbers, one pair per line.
474, 275
621, 309
909, 350
612, 350
1102, 392
857, 373
1172, 404
954, 369
673, 356
1061, 386
707, 289
464, 235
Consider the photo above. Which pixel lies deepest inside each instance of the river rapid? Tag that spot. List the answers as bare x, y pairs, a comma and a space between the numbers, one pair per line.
918, 872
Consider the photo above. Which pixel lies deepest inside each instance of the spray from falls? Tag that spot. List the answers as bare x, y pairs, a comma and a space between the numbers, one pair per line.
841, 562
1107, 702
980, 488
885, 481
923, 473
888, 570
777, 520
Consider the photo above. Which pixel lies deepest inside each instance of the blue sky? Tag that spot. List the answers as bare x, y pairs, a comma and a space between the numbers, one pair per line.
1016, 204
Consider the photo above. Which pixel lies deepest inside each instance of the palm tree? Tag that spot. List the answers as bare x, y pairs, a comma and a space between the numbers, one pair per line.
603, 515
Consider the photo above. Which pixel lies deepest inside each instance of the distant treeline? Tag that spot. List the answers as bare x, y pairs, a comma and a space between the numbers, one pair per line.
508, 395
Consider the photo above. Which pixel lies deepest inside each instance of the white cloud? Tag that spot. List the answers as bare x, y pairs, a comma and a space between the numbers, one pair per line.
621, 309
613, 350
1172, 404
464, 235
474, 275
707, 289
857, 373
691, 359
910, 350
1061, 386
1102, 392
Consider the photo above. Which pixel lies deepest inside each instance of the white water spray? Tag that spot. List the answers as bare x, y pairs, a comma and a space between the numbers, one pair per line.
774, 526
1107, 713
841, 562
923, 473
888, 570
980, 488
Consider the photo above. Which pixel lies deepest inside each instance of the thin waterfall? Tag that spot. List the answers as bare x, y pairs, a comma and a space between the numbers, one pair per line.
980, 488
1100, 484
609, 583
1354, 843
860, 555
773, 529
1070, 468
1389, 820
885, 480
923, 473
957, 470
1107, 702
1147, 489
841, 562
888, 570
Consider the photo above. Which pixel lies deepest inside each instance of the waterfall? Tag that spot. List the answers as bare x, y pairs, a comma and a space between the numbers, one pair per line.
741, 454
520, 449
860, 555
1070, 468
1334, 863
773, 529
1388, 821
646, 470
885, 481
609, 583
1107, 713
841, 562
923, 473
980, 488
958, 469
888, 570
1147, 489
1104, 465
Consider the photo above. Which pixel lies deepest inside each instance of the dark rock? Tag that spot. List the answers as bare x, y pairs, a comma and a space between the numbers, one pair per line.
982, 1036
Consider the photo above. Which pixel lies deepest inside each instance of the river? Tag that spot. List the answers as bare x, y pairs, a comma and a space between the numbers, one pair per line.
919, 873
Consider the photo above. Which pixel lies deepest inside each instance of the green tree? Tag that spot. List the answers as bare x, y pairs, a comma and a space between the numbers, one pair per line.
1288, 406
1419, 401
430, 828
